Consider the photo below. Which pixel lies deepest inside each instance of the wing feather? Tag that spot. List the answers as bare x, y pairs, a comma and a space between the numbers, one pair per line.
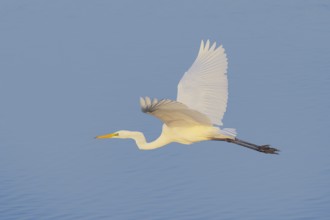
173, 113
204, 87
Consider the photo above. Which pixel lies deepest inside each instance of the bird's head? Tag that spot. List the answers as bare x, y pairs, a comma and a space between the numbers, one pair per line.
118, 134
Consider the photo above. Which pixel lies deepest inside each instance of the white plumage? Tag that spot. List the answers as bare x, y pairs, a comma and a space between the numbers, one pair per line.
204, 87
200, 106
173, 113
202, 91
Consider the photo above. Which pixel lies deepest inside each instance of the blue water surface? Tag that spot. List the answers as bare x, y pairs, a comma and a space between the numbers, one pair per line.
71, 70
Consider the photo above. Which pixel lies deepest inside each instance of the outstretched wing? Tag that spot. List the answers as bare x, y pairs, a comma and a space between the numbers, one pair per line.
173, 113
204, 87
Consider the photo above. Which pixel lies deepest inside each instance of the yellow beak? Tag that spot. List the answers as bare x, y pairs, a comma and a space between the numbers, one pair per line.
107, 135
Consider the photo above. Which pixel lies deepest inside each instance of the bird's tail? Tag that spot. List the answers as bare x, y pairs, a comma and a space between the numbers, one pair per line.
231, 132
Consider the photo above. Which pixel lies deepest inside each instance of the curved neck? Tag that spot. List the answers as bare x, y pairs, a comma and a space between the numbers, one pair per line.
142, 144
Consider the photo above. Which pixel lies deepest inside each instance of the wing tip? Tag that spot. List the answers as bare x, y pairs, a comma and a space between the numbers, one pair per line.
209, 46
147, 104
143, 104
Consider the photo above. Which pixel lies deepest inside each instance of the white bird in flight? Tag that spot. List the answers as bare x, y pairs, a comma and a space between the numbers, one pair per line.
198, 111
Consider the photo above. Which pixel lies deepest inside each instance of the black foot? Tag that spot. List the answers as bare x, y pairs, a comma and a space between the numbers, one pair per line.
267, 150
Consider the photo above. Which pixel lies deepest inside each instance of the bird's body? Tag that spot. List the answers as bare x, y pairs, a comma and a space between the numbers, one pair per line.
199, 108
189, 135
183, 135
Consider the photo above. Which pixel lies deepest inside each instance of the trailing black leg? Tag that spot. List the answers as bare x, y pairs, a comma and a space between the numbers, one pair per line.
262, 148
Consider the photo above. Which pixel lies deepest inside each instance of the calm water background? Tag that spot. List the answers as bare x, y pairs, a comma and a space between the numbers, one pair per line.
71, 70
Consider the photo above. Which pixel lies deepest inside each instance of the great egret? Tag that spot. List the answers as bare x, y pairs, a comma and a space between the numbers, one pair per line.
200, 106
